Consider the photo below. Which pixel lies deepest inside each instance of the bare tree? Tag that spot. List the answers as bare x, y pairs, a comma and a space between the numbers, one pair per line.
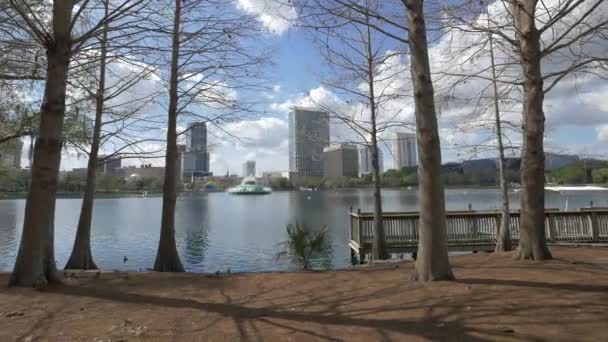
476, 50
503, 242
209, 59
50, 26
106, 104
576, 17
432, 262
167, 258
532, 244
570, 41
365, 76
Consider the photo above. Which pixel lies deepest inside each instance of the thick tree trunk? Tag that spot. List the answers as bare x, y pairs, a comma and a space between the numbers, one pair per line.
167, 258
35, 263
30, 154
432, 257
503, 241
81, 257
379, 243
532, 241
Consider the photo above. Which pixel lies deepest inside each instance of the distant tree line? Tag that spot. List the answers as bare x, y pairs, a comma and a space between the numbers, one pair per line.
581, 172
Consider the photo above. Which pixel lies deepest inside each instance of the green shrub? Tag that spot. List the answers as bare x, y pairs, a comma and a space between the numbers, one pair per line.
306, 249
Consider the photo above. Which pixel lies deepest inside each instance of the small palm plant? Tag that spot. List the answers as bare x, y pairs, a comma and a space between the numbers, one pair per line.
306, 248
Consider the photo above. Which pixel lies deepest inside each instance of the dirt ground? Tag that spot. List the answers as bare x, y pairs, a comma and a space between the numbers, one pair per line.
493, 298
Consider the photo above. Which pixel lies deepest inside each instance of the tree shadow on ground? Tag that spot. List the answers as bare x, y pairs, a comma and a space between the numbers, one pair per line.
431, 327
535, 284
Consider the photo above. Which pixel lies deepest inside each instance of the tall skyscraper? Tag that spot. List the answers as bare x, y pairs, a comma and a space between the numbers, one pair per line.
340, 160
195, 160
404, 150
365, 161
308, 135
249, 168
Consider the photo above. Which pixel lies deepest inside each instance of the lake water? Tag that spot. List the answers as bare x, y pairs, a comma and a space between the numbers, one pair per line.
218, 231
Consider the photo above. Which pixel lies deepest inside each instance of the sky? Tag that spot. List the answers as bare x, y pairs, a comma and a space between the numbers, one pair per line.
576, 110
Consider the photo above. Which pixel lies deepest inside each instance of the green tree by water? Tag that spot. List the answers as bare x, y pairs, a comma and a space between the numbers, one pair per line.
600, 176
582, 172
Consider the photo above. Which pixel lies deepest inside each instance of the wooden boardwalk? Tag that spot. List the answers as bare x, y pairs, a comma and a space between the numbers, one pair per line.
476, 230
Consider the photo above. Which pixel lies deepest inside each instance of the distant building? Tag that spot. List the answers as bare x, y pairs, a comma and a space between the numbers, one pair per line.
554, 161
145, 171
108, 165
404, 150
249, 168
340, 160
308, 135
268, 176
181, 149
195, 159
365, 161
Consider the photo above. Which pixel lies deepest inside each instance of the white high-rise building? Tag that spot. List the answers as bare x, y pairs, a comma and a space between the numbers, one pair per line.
365, 161
308, 135
249, 168
404, 150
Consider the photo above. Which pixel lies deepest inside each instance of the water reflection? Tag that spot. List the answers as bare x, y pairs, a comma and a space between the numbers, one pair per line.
219, 231
408, 201
192, 218
8, 234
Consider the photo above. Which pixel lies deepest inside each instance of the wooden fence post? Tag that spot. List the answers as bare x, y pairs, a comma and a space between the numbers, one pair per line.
551, 235
498, 218
359, 227
595, 227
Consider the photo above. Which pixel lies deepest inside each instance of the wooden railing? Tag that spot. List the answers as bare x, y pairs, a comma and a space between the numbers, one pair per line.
469, 229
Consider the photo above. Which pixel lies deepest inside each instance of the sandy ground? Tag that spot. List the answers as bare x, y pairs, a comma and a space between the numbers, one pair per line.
494, 298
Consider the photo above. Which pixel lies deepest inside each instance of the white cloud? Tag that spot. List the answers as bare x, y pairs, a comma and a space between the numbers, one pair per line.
602, 133
274, 15
576, 101
263, 140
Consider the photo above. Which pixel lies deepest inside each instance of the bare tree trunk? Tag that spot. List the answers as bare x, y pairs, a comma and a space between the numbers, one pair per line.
81, 257
378, 244
532, 241
35, 263
167, 258
30, 153
503, 242
432, 258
